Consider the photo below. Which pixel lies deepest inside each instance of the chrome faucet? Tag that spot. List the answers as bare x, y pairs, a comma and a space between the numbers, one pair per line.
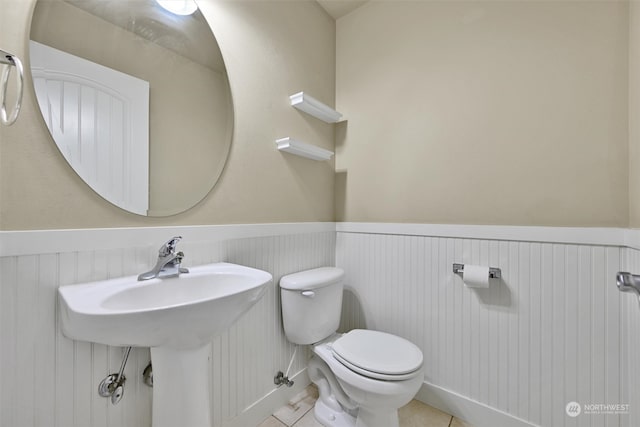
168, 264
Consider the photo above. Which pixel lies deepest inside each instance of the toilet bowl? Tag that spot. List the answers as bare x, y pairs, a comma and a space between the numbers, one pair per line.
363, 376
370, 398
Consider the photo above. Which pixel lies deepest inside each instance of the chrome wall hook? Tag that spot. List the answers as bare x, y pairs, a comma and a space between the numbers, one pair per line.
8, 62
628, 282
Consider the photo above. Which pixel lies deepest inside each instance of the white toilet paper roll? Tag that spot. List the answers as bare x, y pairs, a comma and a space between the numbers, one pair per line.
475, 276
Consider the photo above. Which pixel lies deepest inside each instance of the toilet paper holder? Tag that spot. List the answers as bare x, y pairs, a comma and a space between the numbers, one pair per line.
494, 273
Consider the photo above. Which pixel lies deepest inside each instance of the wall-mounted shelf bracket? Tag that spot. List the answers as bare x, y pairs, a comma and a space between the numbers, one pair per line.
317, 109
298, 148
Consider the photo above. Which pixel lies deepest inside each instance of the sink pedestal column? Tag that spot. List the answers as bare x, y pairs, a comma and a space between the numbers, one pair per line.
181, 395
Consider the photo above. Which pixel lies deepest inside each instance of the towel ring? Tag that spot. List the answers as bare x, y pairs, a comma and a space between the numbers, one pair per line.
8, 60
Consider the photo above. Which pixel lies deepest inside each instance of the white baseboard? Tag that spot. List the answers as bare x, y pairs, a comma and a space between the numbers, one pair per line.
475, 413
263, 408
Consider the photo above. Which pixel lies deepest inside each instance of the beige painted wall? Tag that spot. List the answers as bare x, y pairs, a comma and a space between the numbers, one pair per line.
502, 113
634, 114
483, 113
271, 49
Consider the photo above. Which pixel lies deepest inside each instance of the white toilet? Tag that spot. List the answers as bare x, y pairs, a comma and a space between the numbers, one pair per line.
363, 376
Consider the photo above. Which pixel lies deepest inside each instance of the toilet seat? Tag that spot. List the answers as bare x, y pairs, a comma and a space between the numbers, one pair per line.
378, 355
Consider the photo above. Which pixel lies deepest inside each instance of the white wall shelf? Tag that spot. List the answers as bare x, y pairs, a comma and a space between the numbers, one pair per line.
298, 148
317, 109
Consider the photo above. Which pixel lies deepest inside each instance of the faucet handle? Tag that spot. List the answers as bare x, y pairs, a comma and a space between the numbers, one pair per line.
170, 246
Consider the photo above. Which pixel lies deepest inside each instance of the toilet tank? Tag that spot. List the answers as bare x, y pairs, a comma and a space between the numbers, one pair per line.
311, 304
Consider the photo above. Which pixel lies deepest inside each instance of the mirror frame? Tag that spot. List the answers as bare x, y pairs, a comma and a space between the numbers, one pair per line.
200, 173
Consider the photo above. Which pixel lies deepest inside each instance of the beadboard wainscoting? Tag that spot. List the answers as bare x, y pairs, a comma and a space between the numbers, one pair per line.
553, 330
631, 340
48, 380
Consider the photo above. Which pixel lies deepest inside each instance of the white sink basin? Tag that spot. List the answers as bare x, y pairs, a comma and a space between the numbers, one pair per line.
177, 317
179, 312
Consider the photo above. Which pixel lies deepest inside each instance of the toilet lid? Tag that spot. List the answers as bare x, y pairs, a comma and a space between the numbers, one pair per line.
378, 354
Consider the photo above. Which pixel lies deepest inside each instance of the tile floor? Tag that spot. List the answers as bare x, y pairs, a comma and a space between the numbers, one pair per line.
298, 413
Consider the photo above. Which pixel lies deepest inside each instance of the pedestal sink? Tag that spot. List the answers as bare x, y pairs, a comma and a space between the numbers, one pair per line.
177, 317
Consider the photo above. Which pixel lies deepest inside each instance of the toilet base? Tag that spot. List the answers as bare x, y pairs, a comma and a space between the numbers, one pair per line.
351, 400
377, 418
329, 417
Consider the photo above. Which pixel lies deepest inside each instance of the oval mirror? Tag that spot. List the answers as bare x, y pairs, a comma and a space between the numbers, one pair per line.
136, 98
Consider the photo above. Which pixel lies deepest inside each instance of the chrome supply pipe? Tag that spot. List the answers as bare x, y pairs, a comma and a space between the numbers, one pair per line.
113, 385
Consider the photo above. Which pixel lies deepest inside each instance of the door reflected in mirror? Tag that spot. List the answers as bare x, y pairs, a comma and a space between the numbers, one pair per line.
136, 98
